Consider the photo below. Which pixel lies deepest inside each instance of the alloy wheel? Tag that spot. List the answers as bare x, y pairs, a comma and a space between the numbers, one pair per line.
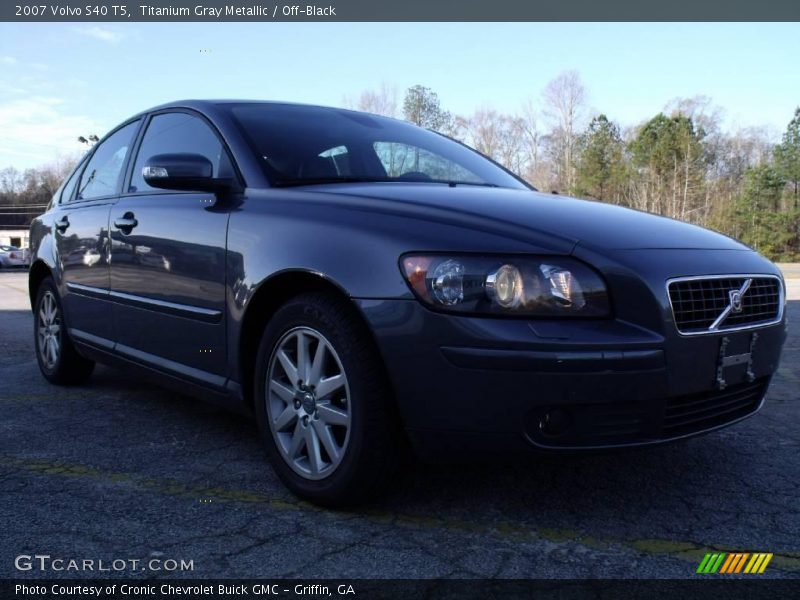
308, 403
49, 330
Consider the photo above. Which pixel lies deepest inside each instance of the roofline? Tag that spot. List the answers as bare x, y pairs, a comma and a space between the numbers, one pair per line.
209, 103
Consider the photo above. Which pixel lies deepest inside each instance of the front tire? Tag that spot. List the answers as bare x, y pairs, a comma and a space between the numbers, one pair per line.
323, 403
58, 360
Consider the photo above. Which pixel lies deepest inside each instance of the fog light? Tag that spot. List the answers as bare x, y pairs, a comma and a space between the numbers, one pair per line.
447, 282
504, 286
555, 422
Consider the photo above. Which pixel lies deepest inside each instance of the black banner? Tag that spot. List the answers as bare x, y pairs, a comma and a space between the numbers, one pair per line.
563, 589
395, 10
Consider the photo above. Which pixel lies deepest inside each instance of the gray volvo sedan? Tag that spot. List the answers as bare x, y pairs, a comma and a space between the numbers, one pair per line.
363, 286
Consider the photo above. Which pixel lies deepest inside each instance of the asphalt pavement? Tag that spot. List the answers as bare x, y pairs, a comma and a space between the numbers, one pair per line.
122, 470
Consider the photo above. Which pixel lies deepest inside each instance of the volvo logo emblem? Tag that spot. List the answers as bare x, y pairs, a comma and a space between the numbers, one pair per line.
734, 304
736, 300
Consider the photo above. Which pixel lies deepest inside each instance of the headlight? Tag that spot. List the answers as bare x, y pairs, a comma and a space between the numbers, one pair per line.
522, 286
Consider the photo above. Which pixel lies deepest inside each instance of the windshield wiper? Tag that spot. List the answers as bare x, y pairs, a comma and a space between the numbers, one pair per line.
455, 183
450, 182
324, 180
355, 179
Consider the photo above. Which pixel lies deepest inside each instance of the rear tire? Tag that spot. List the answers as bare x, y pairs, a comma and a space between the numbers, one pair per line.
326, 420
58, 360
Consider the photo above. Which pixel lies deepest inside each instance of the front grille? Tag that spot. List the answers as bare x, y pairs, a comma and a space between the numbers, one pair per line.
697, 303
696, 412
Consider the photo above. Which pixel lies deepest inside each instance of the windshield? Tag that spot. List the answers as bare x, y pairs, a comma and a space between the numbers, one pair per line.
304, 145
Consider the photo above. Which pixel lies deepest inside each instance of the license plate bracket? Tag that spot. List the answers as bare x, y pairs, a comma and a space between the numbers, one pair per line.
725, 360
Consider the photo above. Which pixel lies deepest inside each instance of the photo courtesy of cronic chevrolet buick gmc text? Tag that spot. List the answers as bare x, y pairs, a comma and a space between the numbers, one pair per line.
363, 285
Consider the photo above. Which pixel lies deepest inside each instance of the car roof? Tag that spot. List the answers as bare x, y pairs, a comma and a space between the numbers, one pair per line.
203, 105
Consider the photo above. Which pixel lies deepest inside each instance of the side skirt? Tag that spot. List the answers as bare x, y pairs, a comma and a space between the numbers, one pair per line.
176, 377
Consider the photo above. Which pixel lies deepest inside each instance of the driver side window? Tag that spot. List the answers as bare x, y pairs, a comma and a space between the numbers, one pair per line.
177, 133
102, 175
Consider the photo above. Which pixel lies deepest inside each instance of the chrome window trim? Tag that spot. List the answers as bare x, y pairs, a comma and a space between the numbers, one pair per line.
723, 329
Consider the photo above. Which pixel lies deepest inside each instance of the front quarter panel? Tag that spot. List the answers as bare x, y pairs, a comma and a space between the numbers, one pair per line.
353, 245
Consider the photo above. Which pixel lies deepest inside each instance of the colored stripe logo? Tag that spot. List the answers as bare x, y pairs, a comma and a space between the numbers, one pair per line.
728, 563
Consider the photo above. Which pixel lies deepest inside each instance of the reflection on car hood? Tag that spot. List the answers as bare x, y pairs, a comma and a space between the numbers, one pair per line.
592, 224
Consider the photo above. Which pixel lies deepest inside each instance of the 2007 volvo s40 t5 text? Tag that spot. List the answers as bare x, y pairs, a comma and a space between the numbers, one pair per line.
363, 285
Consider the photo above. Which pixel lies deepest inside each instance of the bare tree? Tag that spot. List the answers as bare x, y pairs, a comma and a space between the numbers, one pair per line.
531, 143
701, 110
484, 128
498, 136
11, 181
565, 102
382, 101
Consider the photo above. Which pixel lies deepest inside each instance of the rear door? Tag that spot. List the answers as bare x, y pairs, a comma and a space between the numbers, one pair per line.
168, 258
81, 232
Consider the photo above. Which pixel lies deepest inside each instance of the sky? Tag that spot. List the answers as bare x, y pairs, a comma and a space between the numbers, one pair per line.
62, 80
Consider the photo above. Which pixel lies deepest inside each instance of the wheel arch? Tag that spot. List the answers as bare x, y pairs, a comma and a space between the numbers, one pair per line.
268, 297
39, 271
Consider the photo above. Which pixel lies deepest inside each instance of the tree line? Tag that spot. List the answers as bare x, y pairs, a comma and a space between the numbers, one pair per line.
680, 163
25, 194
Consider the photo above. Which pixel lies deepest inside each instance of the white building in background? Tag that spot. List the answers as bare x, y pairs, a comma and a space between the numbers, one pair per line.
14, 237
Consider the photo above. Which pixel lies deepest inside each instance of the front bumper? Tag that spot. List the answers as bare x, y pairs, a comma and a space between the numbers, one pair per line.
465, 383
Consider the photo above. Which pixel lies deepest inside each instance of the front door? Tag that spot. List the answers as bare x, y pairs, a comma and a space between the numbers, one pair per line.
168, 260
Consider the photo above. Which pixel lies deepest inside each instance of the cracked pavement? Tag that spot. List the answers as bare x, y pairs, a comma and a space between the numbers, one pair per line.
123, 469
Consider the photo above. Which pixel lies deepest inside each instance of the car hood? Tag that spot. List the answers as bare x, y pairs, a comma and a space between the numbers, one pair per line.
592, 224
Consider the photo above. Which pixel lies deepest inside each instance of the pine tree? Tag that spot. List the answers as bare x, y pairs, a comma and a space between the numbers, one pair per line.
421, 106
600, 163
761, 224
787, 156
670, 153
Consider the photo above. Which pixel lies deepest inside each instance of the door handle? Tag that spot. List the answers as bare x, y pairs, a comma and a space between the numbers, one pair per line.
61, 226
126, 223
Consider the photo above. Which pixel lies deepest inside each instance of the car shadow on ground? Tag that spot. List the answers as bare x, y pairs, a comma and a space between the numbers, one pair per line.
565, 491
630, 493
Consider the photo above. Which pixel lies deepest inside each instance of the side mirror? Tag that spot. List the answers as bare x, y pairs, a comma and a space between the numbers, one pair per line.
190, 172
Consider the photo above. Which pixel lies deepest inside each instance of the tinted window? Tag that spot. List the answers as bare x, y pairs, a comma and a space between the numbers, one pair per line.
299, 145
179, 133
102, 175
69, 186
